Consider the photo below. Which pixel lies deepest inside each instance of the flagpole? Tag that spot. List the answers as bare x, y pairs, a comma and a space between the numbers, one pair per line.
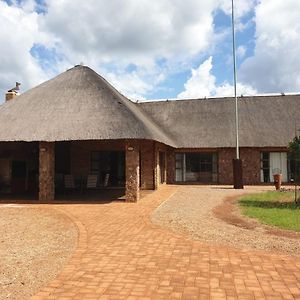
237, 162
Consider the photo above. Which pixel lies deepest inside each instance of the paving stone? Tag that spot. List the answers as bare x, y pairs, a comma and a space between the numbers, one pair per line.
122, 255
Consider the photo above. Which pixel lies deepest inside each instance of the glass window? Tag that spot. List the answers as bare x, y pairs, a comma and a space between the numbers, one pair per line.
197, 167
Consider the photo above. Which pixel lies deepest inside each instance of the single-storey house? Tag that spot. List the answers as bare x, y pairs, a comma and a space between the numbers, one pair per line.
78, 124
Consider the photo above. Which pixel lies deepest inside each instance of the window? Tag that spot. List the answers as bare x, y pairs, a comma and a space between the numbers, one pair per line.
272, 163
196, 167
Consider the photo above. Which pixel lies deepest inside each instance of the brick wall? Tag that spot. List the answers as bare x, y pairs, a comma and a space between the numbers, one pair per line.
147, 164
81, 153
251, 165
250, 158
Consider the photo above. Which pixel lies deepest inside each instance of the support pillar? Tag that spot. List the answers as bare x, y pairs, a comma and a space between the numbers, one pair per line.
237, 174
170, 166
46, 171
156, 168
132, 171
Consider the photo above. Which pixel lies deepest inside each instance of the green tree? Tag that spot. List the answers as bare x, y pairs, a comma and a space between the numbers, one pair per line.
294, 148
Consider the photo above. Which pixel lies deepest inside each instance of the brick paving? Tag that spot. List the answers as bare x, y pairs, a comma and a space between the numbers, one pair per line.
122, 255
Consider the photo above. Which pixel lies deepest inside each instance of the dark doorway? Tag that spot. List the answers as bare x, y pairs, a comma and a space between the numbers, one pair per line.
110, 167
162, 166
62, 157
18, 176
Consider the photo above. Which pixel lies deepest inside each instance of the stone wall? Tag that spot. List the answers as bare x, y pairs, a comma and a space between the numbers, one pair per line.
46, 171
132, 154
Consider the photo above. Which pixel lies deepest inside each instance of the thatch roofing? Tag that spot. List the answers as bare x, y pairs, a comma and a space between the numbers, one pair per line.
265, 121
75, 105
80, 105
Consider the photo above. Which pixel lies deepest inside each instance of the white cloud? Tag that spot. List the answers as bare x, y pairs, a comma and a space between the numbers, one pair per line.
241, 51
202, 84
17, 37
129, 31
276, 62
241, 8
99, 33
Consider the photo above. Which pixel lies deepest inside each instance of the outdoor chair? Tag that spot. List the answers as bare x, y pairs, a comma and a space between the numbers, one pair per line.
69, 184
91, 183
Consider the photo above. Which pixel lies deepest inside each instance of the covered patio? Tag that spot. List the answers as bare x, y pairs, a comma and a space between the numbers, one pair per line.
43, 170
77, 126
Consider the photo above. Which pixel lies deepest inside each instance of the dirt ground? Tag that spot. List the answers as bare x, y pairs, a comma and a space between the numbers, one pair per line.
208, 213
35, 244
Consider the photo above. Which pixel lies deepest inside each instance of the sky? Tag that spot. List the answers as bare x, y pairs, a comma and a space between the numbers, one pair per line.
158, 49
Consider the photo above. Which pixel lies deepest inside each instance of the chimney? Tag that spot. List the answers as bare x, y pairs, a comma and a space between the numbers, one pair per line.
12, 93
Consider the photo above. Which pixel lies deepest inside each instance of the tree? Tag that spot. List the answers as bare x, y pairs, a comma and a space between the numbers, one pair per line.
294, 148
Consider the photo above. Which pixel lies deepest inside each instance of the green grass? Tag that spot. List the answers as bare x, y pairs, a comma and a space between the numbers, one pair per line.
272, 208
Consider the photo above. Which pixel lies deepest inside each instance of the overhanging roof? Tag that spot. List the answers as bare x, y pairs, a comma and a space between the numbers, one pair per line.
80, 105
264, 121
76, 105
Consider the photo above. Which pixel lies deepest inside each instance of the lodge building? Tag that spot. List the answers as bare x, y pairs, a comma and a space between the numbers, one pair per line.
76, 125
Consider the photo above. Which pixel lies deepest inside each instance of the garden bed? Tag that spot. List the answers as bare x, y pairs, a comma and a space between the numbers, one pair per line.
273, 208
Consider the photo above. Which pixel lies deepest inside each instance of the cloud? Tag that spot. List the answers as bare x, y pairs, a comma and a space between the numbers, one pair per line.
202, 84
241, 51
129, 31
19, 32
275, 65
158, 37
241, 8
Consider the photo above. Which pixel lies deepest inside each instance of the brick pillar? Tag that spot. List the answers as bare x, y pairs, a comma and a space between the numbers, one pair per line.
156, 168
170, 166
46, 171
132, 171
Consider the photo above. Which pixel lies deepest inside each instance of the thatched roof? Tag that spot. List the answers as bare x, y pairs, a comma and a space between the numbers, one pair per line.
76, 105
265, 121
80, 105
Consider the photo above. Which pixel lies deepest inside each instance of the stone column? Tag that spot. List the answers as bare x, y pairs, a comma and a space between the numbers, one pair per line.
132, 171
156, 167
170, 166
46, 171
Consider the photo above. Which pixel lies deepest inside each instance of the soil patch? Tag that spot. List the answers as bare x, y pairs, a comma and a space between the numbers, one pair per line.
35, 244
230, 213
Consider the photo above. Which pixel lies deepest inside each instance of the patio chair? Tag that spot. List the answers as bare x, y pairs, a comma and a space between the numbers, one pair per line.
91, 183
69, 184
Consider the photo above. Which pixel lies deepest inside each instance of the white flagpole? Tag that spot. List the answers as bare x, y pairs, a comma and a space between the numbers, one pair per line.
235, 83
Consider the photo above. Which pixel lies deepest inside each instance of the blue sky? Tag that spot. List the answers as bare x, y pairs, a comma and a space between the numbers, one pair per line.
154, 50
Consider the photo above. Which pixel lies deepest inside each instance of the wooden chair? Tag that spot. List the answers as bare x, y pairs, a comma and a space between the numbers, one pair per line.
91, 183
69, 184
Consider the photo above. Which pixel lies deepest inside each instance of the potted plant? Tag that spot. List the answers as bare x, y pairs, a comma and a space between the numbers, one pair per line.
277, 176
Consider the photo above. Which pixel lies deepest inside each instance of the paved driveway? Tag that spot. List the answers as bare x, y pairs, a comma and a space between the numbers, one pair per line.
122, 255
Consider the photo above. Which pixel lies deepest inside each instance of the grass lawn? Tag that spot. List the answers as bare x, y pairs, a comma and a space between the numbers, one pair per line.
273, 208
